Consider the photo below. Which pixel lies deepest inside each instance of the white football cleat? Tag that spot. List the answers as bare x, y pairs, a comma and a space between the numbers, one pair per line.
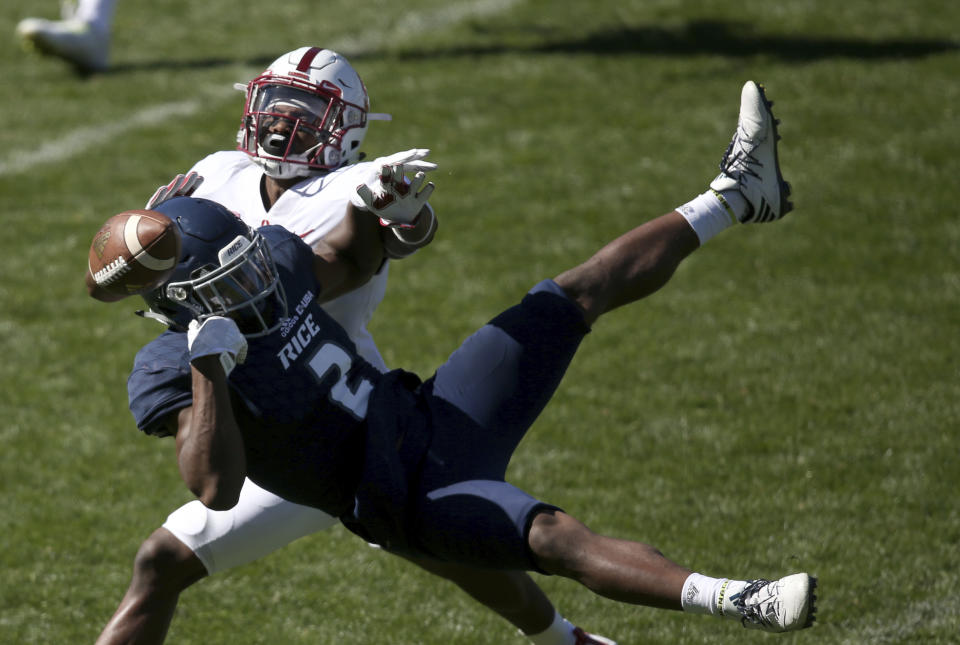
750, 164
584, 638
72, 40
783, 605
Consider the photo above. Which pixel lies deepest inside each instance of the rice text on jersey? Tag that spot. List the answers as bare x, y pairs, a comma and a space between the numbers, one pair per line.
300, 335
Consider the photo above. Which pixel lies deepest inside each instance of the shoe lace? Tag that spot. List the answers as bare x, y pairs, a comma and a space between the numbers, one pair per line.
752, 613
737, 160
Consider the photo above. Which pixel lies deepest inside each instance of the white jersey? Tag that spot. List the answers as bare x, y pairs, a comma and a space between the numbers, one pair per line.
261, 522
310, 209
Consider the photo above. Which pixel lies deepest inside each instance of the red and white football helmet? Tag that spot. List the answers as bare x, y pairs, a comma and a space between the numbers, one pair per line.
307, 113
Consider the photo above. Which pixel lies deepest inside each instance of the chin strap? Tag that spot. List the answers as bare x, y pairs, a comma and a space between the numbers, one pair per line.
160, 318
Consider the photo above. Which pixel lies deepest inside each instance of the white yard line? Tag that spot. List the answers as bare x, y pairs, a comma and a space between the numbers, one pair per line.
416, 23
80, 140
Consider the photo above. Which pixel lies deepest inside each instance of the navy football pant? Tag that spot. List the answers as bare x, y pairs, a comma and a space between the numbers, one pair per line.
483, 400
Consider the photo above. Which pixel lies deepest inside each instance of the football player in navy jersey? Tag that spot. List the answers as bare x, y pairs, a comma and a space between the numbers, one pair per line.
298, 162
256, 380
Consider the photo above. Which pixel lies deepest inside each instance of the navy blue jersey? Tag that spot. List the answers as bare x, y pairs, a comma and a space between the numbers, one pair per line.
417, 468
300, 397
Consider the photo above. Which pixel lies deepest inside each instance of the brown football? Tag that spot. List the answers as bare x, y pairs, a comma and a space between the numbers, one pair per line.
134, 252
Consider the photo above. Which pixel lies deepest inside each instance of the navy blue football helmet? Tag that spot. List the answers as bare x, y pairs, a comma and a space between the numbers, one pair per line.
225, 269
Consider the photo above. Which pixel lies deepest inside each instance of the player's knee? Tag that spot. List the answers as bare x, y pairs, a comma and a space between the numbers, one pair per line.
165, 564
558, 542
580, 285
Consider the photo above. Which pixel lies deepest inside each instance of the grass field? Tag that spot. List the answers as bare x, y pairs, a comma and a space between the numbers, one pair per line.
789, 402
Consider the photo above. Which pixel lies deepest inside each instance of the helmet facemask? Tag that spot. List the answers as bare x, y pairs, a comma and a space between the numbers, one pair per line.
244, 287
319, 82
295, 129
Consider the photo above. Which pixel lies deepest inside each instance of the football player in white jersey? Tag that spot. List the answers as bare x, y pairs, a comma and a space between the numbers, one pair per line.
298, 165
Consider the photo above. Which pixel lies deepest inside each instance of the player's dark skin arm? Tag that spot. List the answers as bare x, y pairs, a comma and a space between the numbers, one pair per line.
210, 451
349, 255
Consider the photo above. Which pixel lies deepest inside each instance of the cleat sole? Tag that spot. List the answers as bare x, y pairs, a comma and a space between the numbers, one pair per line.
785, 205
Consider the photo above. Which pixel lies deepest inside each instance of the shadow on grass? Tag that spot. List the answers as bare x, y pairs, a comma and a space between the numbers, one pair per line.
697, 38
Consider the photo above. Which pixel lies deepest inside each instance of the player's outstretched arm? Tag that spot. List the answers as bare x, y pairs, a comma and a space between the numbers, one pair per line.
408, 221
349, 255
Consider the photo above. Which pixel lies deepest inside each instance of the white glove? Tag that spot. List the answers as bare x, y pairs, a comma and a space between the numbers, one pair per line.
217, 335
413, 158
389, 196
181, 186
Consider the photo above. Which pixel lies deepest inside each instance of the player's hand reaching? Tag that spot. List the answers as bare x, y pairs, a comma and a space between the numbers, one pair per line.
181, 186
413, 159
217, 336
390, 196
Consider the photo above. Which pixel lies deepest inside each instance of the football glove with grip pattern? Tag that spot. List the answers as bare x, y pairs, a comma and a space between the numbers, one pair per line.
388, 195
181, 186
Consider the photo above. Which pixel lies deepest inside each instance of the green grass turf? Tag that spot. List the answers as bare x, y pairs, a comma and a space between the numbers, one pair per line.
789, 402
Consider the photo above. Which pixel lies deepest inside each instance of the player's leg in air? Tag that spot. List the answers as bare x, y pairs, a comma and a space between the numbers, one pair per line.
196, 542
488, 393
82, 37
750, 188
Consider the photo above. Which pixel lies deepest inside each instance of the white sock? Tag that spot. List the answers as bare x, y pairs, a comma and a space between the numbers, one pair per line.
705, 595
711, 212
560, 632
735, 201
98, 13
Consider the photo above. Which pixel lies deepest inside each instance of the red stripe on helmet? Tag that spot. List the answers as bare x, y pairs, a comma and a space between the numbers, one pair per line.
307, 59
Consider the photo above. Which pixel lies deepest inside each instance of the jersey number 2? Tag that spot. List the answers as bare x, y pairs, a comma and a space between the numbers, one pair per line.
331, 357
